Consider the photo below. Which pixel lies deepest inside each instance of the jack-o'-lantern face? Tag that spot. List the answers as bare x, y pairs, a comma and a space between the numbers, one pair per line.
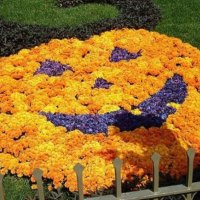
125, 93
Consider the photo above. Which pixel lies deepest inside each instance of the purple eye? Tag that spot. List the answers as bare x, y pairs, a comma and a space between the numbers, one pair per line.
119, 54
102, 83
52, 68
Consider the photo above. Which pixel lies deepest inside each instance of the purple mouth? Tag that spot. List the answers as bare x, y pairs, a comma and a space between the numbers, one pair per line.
154, 112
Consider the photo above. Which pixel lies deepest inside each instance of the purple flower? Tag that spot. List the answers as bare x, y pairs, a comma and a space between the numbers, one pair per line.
154, 112
175, 90
102, 83
52, 68
119, 54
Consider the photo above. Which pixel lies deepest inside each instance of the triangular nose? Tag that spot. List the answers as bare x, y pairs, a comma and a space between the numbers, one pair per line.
119, 54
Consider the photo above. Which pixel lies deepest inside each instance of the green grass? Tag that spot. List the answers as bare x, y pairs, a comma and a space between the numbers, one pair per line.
180, 19
20, 189
17, 188
46, 13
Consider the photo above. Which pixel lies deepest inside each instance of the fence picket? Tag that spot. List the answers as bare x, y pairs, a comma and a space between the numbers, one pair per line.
60, 193
37, 173
79, 174
2, 194
156, 160
190, 158
188, 190
118, 165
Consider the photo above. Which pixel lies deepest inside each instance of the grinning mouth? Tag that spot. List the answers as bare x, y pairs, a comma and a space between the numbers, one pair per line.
155, 112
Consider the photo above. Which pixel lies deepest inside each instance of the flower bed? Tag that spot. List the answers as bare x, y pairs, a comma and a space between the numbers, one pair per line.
126, 93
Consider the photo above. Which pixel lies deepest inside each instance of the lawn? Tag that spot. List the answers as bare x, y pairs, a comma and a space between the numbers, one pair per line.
17, 188
180, 19
47, 13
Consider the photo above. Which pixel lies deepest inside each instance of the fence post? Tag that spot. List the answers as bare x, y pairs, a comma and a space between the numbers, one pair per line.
190, 160
79, 174
118, 181
60, 193
156, 160
2, 194
37, 173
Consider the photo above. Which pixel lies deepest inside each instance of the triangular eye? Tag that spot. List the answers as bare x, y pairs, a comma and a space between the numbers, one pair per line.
119, 54
52, 68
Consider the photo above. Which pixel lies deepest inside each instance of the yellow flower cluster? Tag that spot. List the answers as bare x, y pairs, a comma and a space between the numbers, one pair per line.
28, 140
